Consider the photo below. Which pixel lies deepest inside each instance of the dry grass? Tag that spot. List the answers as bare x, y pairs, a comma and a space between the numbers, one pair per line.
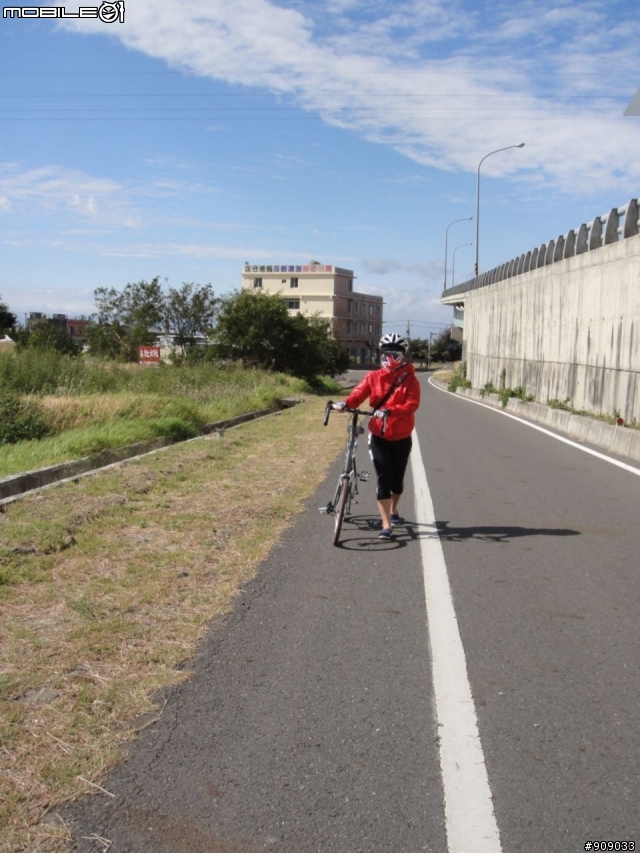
447, 374
113, 580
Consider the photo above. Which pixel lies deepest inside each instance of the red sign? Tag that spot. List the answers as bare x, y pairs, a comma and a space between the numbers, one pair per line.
149, 355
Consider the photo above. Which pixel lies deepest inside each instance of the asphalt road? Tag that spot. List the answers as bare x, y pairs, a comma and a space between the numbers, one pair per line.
312, 723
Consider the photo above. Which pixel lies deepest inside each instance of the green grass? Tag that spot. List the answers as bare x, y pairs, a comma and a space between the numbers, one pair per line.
91, 406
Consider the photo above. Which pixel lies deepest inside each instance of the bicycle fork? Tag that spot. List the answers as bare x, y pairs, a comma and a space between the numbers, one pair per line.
355, 476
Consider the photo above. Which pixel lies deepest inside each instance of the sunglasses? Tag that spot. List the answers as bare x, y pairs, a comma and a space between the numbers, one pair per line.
392, 354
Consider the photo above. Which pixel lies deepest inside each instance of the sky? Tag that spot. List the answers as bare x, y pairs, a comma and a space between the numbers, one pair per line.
192, 138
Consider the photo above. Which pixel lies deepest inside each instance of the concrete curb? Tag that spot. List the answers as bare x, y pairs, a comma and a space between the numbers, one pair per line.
622, 441
28, 481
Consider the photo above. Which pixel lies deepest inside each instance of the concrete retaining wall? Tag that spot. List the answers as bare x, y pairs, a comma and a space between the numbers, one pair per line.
566, 331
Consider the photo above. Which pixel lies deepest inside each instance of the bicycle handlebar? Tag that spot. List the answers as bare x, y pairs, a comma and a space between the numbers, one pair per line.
329, 409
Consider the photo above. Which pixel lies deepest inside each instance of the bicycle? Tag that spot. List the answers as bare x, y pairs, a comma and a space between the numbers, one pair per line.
347, 487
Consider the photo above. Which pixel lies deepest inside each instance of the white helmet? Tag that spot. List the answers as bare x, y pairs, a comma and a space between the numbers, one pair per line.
393, 341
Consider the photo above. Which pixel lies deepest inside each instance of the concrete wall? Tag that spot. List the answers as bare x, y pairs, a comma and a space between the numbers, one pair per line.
569, 330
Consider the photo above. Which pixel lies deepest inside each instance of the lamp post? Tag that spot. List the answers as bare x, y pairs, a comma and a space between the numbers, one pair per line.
446, 243
431, 334
453, 270
506, 148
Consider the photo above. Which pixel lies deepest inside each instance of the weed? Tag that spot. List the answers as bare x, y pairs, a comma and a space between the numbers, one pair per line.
612, 418
111, 406
20, 419
488, 388
565, 405
520, 392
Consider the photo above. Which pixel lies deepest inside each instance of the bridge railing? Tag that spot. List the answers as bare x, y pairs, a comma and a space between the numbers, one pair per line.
612, 227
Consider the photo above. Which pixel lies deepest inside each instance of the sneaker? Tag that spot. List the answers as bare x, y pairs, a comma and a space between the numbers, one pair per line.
385, 534
397, 520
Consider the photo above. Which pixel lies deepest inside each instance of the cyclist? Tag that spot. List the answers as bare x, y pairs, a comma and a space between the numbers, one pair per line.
393, 389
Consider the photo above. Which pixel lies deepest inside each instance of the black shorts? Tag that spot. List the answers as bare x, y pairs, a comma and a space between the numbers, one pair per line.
390, 462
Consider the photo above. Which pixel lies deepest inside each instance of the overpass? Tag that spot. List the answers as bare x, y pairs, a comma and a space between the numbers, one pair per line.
563, 319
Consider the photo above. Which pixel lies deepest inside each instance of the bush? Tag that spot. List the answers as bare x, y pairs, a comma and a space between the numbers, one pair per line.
20, 419
458, 381
34, 371
519, 392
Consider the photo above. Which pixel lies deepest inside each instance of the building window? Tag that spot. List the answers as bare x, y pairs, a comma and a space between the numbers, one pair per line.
357, 307
350, 284
350, 306
293, 282
378, 308
370, 328
293, 303
371, 309
257, 283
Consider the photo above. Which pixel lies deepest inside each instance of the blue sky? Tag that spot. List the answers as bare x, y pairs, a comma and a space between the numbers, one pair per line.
193, 138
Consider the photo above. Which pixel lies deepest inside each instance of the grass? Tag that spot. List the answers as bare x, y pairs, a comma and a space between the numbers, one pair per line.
609, 418
101, 406
505, 393
459, 377
445, 375
107, 585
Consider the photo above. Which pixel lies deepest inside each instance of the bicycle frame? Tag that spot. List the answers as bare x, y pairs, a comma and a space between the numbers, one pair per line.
347, 486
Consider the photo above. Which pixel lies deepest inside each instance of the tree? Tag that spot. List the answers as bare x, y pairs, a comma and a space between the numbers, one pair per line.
256, 328
418, 349
315, 352
190, 312
7, 319
126, 319
445, 349
45, 335
251, 328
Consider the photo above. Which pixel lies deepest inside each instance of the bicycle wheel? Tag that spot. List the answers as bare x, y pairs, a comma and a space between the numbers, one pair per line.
340, 509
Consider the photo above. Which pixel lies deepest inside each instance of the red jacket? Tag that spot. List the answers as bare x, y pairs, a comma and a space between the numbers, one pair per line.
402, 403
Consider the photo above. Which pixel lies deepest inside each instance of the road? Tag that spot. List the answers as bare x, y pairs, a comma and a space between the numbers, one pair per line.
316, 719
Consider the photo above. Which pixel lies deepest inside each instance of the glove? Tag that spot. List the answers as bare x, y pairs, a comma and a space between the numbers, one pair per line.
340, 406
380, 413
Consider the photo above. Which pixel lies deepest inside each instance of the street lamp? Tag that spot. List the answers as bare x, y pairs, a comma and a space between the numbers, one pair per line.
446, 240
429, 356
453, 270
519, 145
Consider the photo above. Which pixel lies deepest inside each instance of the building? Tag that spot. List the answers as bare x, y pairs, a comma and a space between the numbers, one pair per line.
75, 328
327, 291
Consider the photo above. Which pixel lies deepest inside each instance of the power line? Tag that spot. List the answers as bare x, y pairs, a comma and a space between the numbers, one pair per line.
138, 118
391, 95
474, 72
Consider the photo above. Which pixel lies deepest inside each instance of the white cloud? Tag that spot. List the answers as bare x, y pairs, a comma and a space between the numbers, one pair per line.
51, 188
198, 251
5, 204
400, 75
390, 266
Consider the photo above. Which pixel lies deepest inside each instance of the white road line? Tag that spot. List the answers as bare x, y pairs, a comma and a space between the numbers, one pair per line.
573, 444
469, 816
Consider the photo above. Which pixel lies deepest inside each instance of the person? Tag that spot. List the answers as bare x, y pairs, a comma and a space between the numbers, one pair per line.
393, 390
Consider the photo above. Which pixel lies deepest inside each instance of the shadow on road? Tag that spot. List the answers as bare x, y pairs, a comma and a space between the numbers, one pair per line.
495, 533
404, 534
